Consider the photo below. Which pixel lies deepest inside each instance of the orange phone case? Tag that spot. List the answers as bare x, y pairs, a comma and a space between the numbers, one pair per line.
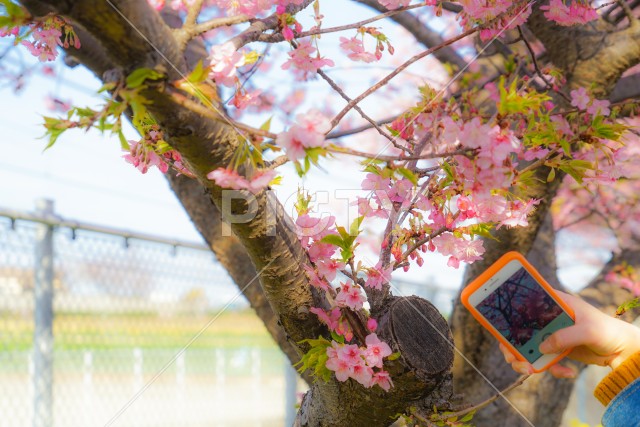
490, 272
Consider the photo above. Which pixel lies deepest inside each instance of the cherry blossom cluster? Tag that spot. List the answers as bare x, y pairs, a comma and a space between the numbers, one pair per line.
252, 8
329, 251
354, 46
569, 13
42, 38
305, 61
495, 16
229, 178
225, 61
308, 132
363, 364
152, 151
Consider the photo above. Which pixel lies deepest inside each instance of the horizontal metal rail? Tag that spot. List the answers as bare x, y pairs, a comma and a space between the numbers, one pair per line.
57, 221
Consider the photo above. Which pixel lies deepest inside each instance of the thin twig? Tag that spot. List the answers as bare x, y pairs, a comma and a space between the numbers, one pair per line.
397, 71
214, 23
537, 68
343, 150
373, 123
278, 37
277, 162
353, 131
421, 242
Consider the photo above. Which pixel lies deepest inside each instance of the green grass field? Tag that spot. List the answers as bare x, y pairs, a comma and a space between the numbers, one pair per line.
84, 331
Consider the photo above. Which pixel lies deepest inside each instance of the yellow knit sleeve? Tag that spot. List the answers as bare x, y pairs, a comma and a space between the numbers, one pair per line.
618, 379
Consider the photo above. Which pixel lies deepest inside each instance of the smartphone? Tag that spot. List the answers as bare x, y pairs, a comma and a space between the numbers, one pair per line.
514, 302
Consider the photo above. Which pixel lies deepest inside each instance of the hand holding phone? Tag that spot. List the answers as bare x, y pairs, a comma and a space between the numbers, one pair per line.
596, 339
514, 302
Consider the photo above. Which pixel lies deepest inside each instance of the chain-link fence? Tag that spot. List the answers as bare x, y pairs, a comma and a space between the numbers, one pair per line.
102, 327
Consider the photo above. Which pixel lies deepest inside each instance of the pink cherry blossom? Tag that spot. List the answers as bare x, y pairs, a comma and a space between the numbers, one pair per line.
142, 156
229, 178
319, 250
302, 61
377, 276
350, 353
580, 98
372, 324
374, 181
225, 60
314, 279
376, 350
308, 132
517, 213
328, 318
350, 296
394, 4
362, 373
578, 12
599, 106
365, 209
242, 99
329, 268
383, 379
341, 368
308, 227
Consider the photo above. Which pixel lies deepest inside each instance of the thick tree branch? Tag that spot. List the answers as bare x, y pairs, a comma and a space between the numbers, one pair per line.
232, 255
590, 54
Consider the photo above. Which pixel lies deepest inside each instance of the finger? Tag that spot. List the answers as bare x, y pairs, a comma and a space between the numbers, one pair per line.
524, 368
560, 371
564, 339
508, 356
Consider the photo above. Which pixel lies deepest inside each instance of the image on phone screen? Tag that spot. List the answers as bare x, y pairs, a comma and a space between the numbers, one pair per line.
524, 313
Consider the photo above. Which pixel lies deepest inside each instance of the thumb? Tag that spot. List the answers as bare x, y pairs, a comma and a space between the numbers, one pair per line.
564, 339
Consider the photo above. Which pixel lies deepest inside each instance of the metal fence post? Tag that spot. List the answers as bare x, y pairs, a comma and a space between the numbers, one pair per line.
43, 321
290, 390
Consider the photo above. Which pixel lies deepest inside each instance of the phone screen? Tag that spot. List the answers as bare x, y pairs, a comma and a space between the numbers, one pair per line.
524, 313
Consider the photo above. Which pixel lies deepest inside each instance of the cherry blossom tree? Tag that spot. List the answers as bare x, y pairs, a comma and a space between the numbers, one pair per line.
520, 127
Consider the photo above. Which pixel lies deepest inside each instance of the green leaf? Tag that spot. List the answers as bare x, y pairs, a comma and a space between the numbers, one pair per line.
266, 125
631, 304
343, 232
333, 239
337, 338
199, 73
138, 77
123, 141
354, 228
394, 356
552, 175
409, 175
54, 128
107, 87
468, 417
